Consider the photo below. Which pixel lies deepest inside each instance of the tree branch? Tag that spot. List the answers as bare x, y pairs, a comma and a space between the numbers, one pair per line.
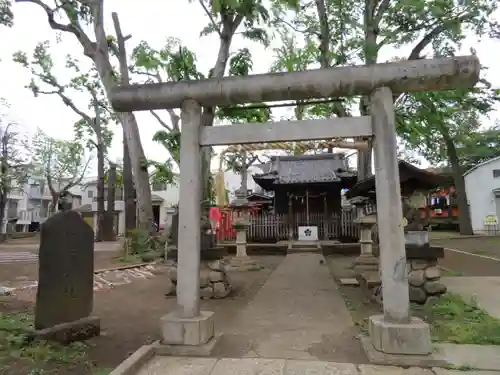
60, 92
384, 5
100, 33
50, 16
72, 28
122, 52
212, 20
427, 39
160, 120
294, 28
76, 180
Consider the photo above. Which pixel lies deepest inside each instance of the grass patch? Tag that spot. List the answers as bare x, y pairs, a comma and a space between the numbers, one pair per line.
455, 321
131, 259
20, 355
256, 268
450, 273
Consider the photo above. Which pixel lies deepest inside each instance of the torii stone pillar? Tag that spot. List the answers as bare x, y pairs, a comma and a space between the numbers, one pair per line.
394, 332
187, 325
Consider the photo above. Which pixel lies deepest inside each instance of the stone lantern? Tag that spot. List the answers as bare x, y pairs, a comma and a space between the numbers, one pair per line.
241, 223
366, 264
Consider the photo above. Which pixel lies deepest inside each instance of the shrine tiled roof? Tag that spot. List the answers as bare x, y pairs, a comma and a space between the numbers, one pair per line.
303, 169
408, 173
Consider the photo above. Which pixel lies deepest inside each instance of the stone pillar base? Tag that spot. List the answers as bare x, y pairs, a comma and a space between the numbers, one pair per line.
176, 330
366, 262
413, 338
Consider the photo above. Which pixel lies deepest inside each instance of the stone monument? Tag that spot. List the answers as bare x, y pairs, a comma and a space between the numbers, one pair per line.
65, 292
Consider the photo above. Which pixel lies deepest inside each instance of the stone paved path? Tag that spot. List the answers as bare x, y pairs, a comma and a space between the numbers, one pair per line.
250, 366
17, 257
298, 314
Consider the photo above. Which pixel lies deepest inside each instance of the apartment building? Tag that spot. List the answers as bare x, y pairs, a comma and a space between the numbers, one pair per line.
29, 204
163, 197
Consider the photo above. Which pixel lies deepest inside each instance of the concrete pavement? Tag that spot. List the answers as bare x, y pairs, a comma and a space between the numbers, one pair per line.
297, 314
250, 366
483, 290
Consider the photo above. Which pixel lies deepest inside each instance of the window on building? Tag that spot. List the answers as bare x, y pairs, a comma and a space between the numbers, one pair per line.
90, 193
496, 173
159, 186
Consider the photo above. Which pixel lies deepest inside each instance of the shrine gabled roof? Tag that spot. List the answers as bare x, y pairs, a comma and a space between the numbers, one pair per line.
407, 172
302, 169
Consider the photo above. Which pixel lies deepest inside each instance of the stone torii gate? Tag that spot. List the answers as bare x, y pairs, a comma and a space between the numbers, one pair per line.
394, 332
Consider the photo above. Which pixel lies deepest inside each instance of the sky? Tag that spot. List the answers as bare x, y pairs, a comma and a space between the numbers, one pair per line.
153, 21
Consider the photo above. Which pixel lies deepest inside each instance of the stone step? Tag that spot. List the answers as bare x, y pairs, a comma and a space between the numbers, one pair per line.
304, 245
295, 250
164, 365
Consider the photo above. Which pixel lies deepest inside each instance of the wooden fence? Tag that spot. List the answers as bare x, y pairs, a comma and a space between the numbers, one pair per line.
270, 227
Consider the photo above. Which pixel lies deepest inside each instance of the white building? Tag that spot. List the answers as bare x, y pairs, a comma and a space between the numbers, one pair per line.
29, 203
165, 197
482, 183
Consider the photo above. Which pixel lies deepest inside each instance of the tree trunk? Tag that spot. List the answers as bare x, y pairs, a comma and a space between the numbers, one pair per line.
131, 133
140, 173
55, 199
464, 219
128, 191
209, 113
370, 53
109, 233
100, 193
4, 169
3, 204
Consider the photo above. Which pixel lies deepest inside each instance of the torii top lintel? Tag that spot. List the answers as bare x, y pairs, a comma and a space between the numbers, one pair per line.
401, 76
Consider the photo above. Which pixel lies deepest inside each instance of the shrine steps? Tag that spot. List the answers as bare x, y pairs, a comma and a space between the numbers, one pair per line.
303, 247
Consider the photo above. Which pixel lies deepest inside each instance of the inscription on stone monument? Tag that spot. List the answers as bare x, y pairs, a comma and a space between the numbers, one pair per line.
66, 275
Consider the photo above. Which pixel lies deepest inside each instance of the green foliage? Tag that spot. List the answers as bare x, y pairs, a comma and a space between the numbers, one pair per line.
163, 173
63, 163
426, 121
94, 127
141, 242
227, 15
173, 62
6, 15
241, 64
356, 32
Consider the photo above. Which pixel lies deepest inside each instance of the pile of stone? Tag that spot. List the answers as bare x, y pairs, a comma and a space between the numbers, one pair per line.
214, 280
423, 281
